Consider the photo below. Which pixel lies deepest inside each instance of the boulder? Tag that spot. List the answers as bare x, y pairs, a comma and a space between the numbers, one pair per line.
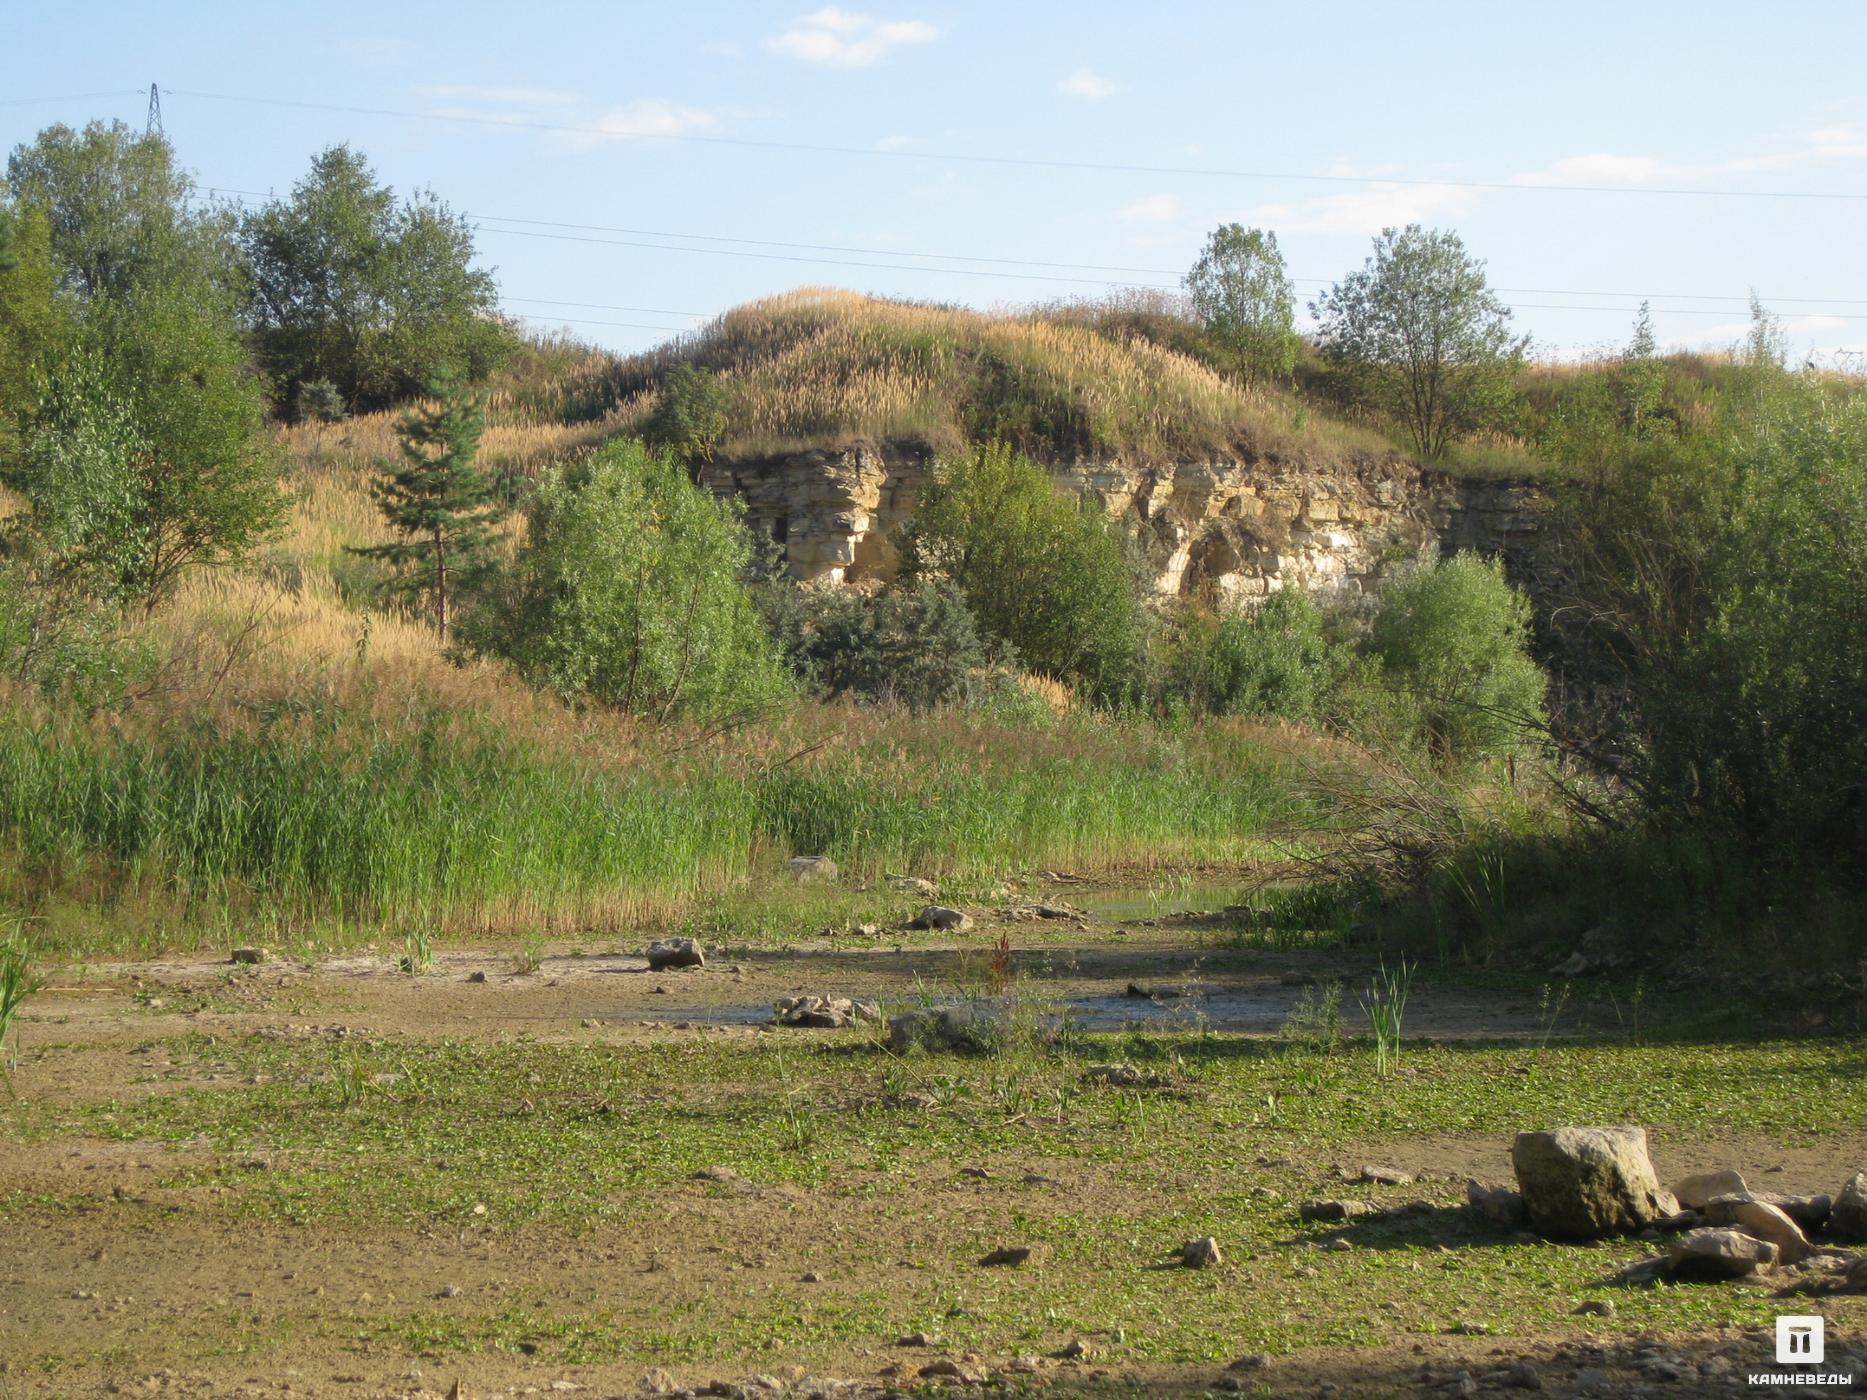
812, 869
1762, 1220
973, 1027
1202, 1253
1848, 1218
674, 952
1588, 1183
1498, 1204
1697, 1192
1720, 1253
940, 917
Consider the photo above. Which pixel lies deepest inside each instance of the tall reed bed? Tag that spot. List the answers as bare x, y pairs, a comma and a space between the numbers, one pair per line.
347, 819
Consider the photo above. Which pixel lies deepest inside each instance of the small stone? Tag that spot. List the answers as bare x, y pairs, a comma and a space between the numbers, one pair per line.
1335, 1210
1076, 1349
948, 1368
1472, 1329
659, 1382
939, 916
975, 1173
452, 1290
1251, 1361
1015, 1256
914, 1339
812, 869
1498, 1204
476, 976
1721, 1253
1202, 1253
674, 952
1596, 1307
1386, 1176
1697, 1192
1848, 1218
1524, 1375
249, 957
479, 1208
811, 1278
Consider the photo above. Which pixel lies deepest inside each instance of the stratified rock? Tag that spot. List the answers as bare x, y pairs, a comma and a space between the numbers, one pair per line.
940, 917
1764, 1221
812, 869
1498, 1204
1720, 1253
674, 952
1697, 1192
1848, 1218
1588, 1183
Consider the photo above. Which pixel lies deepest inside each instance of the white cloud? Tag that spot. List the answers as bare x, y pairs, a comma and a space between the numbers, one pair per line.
1363, 211
839, 39
1600, 168
1086, 82
646, 116
1155, 209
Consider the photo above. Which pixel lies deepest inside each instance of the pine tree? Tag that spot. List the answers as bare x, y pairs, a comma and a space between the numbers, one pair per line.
437, 500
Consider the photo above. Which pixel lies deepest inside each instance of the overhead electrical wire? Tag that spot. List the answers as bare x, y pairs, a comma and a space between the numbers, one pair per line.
1022, 162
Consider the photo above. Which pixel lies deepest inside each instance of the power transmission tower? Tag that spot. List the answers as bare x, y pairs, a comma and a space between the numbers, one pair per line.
153, 126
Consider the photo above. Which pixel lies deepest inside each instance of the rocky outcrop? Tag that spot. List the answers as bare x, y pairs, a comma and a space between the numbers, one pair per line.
1230, 530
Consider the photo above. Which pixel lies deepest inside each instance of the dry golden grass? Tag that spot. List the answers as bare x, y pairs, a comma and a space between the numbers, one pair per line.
822, 367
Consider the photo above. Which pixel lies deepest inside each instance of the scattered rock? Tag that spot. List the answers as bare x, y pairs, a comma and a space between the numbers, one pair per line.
1596, 1307
824, 1013
914, 885
1588, 1183
249, 957
812, 869
969, 1027
914, 1339
1076, 1349
674, 952
1720, 1253
452, 1290
659, 1382
1202, 1253
1810, 1212
1524, 1375
975, 1173
1697, 1192
950, 1369
479, 976
1848, 1219
1335, 1210
1385, 1176
1498, 1204
940, 917
1763, 1221
1123, 1077
1016, 1256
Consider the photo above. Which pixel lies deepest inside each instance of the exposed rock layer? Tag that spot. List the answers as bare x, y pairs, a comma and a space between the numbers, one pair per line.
1229, 529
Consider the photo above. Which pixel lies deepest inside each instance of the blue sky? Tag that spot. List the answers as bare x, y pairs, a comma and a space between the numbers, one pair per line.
572, 114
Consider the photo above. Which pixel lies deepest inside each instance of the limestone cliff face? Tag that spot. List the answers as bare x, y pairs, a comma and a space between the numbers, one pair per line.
1227, 529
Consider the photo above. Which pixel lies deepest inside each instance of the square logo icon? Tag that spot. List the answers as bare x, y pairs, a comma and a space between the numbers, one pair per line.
1799, 1339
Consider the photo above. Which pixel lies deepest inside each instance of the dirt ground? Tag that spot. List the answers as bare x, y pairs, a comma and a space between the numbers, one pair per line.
121, 1274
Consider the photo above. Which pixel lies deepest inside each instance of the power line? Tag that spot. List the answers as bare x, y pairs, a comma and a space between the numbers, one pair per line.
1104, 267
972, 272
1021, 162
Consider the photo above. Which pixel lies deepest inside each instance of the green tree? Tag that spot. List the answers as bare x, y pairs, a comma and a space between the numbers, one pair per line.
629, 592
376, 296
1418, 334
1242, 293
118, 272
440, 504
1454, 636
1641, 377
917, 646
689, 415
1043, 574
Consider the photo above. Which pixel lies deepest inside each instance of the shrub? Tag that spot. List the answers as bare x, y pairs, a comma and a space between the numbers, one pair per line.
629, 592
689, 416
920, 646
1275, 661
1453, 636
1041, 573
